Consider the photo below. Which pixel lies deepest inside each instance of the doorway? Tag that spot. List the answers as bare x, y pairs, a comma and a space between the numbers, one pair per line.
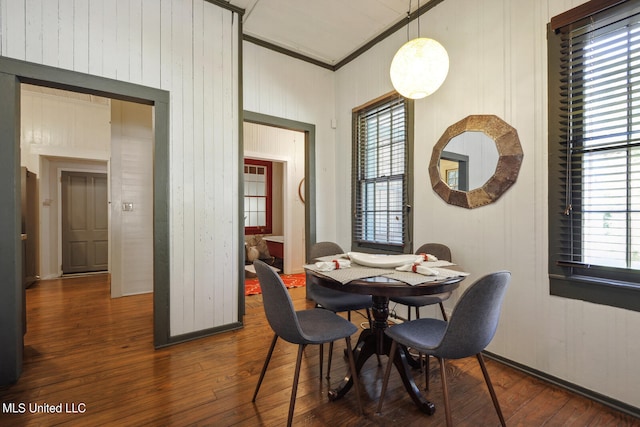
82, 233
12, 74
300, 187
274, 212
454, 170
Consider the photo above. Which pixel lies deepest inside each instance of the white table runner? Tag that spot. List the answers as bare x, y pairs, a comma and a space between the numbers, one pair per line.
346, 275
416, 279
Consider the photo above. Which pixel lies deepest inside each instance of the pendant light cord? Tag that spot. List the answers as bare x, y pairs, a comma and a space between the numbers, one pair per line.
418, 18
409, 19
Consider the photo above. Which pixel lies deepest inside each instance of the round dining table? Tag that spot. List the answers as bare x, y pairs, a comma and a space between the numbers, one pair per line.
373, 340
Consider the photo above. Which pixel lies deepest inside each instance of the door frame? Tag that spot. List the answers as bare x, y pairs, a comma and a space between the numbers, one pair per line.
13, 72
463, 168
59, 236
52, 184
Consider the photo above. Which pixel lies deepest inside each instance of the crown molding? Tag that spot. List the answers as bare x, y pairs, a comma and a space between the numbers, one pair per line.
353, 55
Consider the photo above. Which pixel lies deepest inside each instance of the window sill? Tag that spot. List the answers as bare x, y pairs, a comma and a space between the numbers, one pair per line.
598, 291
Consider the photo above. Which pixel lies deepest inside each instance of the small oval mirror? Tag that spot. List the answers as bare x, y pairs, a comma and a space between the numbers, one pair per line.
493, 155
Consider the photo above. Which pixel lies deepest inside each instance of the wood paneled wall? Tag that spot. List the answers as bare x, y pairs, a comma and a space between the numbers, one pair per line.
189, 48
280, 86
498, 65
131, 181
63, 124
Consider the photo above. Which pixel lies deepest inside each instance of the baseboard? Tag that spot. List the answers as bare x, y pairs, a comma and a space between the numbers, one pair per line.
590, 394
190, 336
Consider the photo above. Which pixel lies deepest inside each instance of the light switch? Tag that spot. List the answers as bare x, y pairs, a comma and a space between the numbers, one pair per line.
127, 207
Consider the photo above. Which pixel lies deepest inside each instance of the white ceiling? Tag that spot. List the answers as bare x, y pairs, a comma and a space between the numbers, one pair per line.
326, 30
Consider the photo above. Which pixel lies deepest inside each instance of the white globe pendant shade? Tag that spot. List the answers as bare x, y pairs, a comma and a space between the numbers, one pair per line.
419, 68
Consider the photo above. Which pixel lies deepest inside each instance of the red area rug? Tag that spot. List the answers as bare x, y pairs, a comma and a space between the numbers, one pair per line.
252, 286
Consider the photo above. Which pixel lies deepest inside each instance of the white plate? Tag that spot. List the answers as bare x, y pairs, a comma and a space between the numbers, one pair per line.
383, 261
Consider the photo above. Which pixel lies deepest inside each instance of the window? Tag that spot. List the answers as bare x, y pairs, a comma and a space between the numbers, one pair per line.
452, 178
257, 197
594, 153
382, 155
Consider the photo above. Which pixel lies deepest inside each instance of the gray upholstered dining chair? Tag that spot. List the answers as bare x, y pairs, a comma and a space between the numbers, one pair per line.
442, 252
333, 300
470, 329
302, 327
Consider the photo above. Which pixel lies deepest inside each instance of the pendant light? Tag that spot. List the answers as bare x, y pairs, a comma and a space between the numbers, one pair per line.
420, 66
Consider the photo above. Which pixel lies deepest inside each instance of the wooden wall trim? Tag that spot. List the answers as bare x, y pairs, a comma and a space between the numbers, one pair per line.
288, 52
226, 5
11, 289
579, 12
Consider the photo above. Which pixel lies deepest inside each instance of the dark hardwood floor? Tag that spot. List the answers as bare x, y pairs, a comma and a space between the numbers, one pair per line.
94, 355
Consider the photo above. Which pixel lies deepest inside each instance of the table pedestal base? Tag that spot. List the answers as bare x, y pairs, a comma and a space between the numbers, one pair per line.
375, 341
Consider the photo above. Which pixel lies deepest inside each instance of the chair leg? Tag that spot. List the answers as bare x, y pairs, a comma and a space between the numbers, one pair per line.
322, 360
264, 367
491, 390
426, 371
329, 361
420, 355
354, 375
444, 313
294, 388
445, 391
387, 373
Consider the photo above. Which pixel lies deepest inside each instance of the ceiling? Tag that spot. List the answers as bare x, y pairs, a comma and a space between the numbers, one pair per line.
327, 32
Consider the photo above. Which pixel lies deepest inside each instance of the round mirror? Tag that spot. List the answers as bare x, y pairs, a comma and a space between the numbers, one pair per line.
475, 161
468, 161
